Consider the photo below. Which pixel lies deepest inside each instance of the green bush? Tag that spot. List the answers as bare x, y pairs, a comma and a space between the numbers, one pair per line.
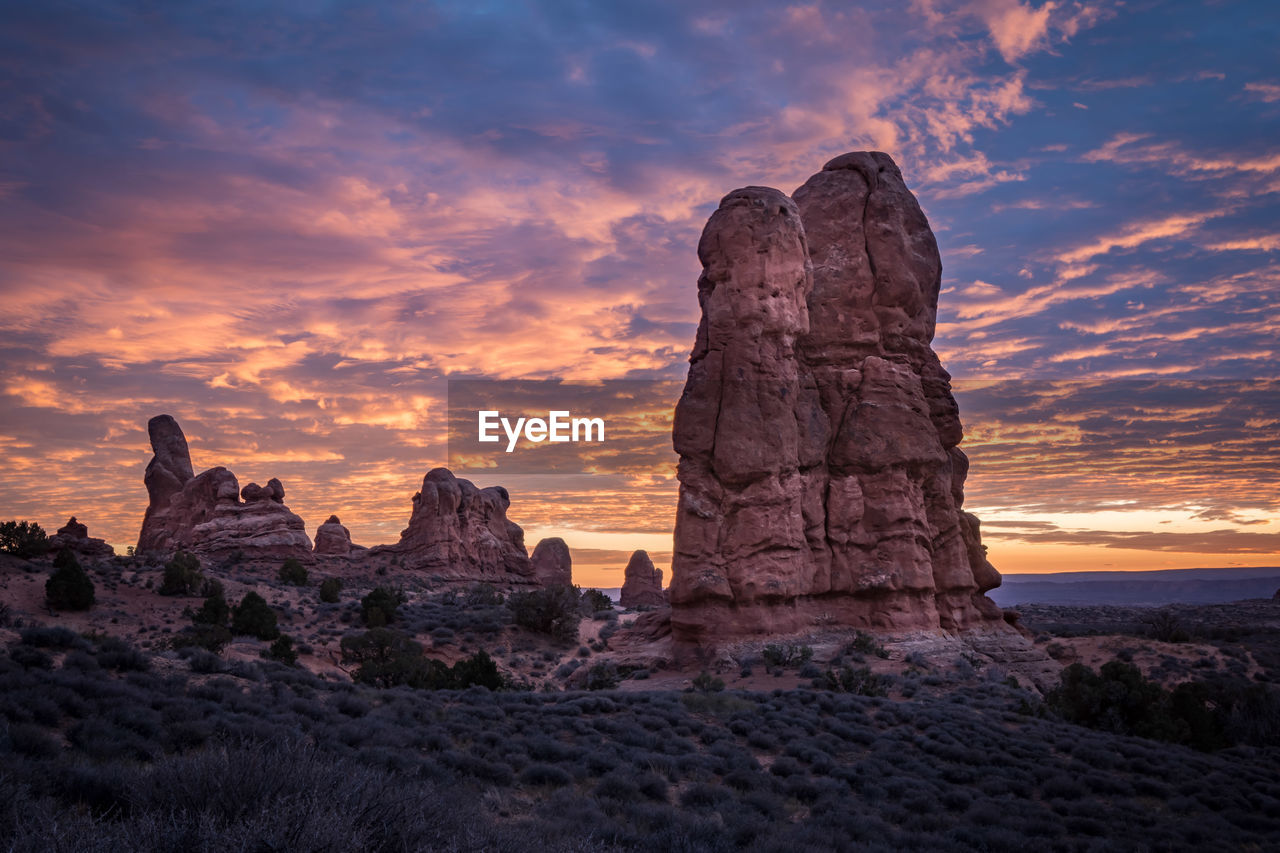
477, 670
594, 601
182, 575
387, 658
293, 572
860, 681
552, 611
282, 650
213, 638
215, 610
603, 676
330, 589
381, 606
24, 539
790, 654
708, 683
255, 618
1164, 626
1118, 698
864, 643
483, 595
68, 588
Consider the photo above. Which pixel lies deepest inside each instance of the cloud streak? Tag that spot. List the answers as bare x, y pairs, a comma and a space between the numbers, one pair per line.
289, 227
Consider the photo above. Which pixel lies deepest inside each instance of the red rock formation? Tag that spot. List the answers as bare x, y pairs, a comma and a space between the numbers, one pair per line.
460, 532
552, 563
333, 539
820, 480
75, 536
642, 583
204, 513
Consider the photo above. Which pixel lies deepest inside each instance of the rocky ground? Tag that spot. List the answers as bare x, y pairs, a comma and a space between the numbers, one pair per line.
830, 739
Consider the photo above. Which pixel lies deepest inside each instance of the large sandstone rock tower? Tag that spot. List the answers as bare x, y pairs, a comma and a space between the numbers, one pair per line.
820, 481
205, 512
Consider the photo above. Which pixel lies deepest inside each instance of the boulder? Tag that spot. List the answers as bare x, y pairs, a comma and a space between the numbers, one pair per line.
642, 583
333, 539
551, 562
204, 514
75, 536
460, 532
820, 478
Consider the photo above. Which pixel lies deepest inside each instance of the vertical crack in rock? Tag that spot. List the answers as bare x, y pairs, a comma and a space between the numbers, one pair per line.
820, 479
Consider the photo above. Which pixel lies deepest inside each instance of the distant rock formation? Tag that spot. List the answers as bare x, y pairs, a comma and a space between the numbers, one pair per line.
552, 563
642, 583
333, 539
75, 536
204, 513
460, 532
820, 481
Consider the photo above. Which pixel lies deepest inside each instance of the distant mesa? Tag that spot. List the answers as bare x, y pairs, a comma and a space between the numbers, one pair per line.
460, 532
75, 536
334, 540
642, 583
204, 513
820, 478
552, 563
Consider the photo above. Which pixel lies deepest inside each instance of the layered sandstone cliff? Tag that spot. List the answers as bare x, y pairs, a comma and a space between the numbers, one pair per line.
820, 478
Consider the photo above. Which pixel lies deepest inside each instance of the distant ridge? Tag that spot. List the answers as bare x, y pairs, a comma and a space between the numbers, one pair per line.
1168, 586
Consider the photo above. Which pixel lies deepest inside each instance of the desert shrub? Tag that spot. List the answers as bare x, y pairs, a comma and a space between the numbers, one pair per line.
381, 606
552, 611
595, 602
708, 683
118, 654
204, 661
545, 775
212, 638
214, 610
30, 658
182, 575
293, 572
33, 741
479, 670
789, 654
282, 651
483, 595
330, 588
864, 643
387, 658
602, 676
69, 587
860, 681
1118, 698
1165, 626
53, 638
254, 617
24, 539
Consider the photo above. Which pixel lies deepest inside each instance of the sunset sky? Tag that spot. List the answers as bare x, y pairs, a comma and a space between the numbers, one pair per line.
288, 224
